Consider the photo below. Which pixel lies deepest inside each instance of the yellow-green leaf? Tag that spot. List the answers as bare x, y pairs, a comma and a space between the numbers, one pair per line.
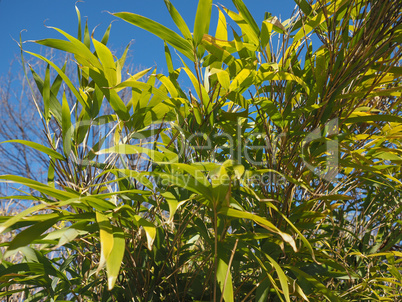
107, 60
106, 238
221, 29
178, 20
38, 147
161, 31
66, 126
202, 20
115, 258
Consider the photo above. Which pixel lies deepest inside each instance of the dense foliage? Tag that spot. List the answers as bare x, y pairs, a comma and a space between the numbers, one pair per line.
277, 177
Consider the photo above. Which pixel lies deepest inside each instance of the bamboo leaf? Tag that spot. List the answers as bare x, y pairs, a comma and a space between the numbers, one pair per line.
282, 75
111, 95
75, 46
160, 31
246, 28
150, 230
178, 20
221, 29
202, 20
244, 12
79, 33
66, 127
54, 104
304, 6
201, 91
14, 219
131, 149
106, 58
57, 83
240, 79
261, 221
105, 37
87, 36
28, 235
66, 80
316, 284
373, 118
223, 77
169, 61
46, 94
283, 280
105, 237
212, 45
39, 147
169, 85
67, 236
224, 277
115, 258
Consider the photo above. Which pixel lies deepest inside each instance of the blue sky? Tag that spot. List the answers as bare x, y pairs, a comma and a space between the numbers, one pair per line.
146, 50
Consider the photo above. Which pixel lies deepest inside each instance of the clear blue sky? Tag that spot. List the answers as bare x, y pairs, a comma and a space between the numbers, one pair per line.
146, 50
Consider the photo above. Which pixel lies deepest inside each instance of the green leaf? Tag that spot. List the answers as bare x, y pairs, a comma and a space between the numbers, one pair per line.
67, 236
28, 235
223, 77
105, 237
150, 230
122, 60
105, 37
304, 6
158, 92
14, 219
280, 76
221, 28
58, 194
57, 83
168, 57
224, 277
261, 221
315, 21
66, 127
178, 20
74, 46
50, 174
265, 35
111, 95
66, 80
115, 257
106, 58
373, 118
244, 12
87, 36
133, 78
273, 23
174, 93
242, 79
197, 172
38, 147
173, 204
131, 149
186, 182
159, 30
79, 33
282, 277
54, 104
46, 94
315, 284
202, 20
201, 91
247, 29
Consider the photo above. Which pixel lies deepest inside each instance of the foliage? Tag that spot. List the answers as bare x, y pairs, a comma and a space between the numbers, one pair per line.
275, 178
